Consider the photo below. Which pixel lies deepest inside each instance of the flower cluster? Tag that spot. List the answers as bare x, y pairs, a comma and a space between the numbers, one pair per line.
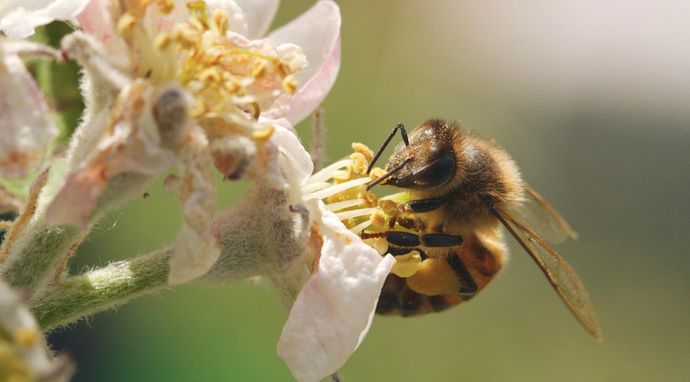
196, 84
24, 355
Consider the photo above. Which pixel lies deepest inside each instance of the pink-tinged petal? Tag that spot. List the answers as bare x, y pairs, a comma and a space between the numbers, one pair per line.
97, 21
334, 310
131, 145
26, 125
76, 200
196, 248
295, 160
259, 14
317, 32
19, 18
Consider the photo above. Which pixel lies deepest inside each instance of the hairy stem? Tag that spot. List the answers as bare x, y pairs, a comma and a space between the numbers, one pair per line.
101, 289
38, 255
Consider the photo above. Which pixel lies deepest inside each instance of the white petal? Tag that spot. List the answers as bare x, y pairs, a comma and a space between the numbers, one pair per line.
317, 32
295, 160
196, 249
333, 311
131, 145
19, 18
26, 126
259, 14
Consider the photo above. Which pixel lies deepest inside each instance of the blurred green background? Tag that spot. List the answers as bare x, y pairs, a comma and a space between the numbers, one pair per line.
592, 99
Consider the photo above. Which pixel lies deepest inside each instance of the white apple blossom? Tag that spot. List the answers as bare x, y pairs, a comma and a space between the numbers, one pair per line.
334, 309
24, 355
26, 126
195, 84
18, 18
236, 90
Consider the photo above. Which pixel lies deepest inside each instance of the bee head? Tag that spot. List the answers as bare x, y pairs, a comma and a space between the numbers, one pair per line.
428, 162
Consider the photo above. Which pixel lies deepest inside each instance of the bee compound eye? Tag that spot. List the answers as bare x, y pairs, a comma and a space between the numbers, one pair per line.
439, 172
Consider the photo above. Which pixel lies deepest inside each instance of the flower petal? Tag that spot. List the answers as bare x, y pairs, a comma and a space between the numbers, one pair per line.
97, 21
296, 162
317, 32
28, 348
196, 248
131, 145
19, 18
259, 15
26, 126
333, 311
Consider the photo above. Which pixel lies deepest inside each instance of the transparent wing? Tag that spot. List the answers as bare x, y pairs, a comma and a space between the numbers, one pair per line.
560, 274
538, 213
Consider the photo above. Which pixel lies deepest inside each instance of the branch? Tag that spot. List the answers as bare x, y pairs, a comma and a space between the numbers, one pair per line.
101, 289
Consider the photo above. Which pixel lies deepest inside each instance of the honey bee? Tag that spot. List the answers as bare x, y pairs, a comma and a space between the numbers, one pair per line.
461, 189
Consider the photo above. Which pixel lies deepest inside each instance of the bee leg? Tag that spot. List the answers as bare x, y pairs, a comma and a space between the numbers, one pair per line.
399, 251
403, 133
405, 242
425, 205
468, 287
440, 240
403, 239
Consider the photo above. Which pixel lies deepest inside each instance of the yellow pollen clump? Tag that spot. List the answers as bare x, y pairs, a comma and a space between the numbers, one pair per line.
389, 207
407, 265
162, 41
434, 277
343, 176
126, 23
222, 76
198, 10
378, 219
211, 74
364, 150
258, 68
220, 22
263, 135
370, 199
359, 163
231, 85
165, 6
290, 84
13, 367
185, 36
26, 337
376, 172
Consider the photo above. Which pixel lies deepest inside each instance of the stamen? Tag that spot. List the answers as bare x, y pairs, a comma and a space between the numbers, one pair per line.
355, 213
311, 187
126, 23
360, 227
336, 189
388, 174
327, 172
344, 204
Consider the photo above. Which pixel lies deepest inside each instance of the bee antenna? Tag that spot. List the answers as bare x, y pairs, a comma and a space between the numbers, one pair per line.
388, 174
403, 132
